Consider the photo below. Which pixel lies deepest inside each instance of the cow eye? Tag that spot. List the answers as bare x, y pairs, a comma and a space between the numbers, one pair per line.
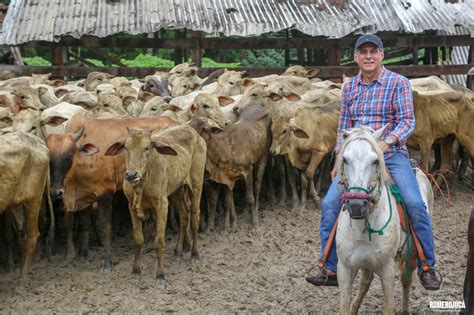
99, 79
106, 105
147, 149
33, 128
23, 97
1, 103
205, 106
231, 83
153, 109
254, 94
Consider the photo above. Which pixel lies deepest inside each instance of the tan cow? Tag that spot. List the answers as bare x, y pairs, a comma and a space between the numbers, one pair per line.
183, 86
24, 160
5, 117
300, 71
96, 78
28, 98
438, 116
204, 105
234, 154
10, 100
306, 139
156, 167
232, 83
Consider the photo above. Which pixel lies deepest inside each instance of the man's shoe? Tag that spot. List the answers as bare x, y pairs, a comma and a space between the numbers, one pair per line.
322, 278
429, 280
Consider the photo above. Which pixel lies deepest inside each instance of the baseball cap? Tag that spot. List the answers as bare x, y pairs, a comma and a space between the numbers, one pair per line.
368, 38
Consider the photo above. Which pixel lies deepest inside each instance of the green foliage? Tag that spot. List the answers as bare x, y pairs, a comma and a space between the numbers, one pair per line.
36, 61
96, 62
265, 58
209, 63
148, 61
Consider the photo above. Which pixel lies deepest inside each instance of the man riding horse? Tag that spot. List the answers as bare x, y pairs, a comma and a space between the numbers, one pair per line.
374, 98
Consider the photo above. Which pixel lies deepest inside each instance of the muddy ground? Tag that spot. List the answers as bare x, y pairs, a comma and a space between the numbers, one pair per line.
239, 271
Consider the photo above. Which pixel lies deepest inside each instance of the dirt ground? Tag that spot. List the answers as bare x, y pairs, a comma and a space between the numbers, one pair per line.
240, 271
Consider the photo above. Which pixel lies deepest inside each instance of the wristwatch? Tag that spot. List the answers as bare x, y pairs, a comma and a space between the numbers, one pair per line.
389, 141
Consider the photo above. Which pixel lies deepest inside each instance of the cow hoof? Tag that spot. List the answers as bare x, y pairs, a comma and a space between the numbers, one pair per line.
106, 265
178, 253
195, 257
186, 246
160, 281
136, 273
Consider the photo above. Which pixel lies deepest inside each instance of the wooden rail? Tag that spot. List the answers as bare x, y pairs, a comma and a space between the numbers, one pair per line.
326, 71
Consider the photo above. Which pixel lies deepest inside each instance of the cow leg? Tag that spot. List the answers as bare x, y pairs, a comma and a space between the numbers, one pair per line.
425, 150
464, 163
212, 194
172, 217
261, 164
68, 221
229, 207
304, 190
85, 222
316, 158
161, 209
280, 167
28, 244
138, 239
446, 157
269, 182
195, 216
183, 220
105, 219
292, 182
249, 190
8, 236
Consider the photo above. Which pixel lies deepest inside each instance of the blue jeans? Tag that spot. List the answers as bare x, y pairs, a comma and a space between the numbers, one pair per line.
402, 174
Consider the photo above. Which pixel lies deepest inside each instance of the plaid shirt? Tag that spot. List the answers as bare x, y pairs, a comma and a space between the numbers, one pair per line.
387, 100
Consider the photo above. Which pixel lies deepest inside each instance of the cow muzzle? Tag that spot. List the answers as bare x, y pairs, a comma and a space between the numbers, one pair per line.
57, 194
132, 177
357, 208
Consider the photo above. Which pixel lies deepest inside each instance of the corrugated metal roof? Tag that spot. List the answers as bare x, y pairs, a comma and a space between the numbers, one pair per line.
459, 56
30, 20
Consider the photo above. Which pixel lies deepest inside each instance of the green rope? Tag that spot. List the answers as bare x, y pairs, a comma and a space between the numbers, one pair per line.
361, 188
369, 228
398, 196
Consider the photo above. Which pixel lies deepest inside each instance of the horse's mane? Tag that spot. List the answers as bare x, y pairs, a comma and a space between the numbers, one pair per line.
364, 133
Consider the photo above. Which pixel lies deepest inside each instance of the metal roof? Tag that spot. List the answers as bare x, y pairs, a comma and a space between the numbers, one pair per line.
31, 20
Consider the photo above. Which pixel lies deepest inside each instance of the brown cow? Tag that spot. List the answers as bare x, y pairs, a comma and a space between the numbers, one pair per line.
234, 154
83, 180
24, 160
157, 166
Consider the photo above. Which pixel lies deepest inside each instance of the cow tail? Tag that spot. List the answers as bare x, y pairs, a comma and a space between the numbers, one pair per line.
50, 237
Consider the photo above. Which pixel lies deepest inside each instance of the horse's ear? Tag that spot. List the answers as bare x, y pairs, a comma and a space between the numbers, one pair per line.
379, 133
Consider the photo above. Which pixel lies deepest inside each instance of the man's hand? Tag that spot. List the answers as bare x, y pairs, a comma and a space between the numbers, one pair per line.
333, 172
383, 146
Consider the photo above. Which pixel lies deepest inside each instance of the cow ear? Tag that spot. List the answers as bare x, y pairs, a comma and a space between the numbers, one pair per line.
54, 121
275, 97
244, 74
225, 100
163, 148
292, 97
115, 149
300, 133
87, 149
311, 73
171, 107
41, 90
248, 82
58, 82
194, 108
60, 92
127, 100
6, 130
195, 86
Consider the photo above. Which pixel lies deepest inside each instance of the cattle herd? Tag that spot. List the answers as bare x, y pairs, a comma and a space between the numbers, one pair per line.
175, 143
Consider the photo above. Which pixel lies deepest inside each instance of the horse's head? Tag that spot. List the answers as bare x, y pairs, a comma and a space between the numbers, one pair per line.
361, 168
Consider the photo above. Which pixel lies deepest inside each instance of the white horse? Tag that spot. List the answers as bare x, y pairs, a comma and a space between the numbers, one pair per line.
367, 208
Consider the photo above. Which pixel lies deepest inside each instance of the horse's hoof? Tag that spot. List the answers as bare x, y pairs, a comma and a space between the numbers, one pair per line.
106, 265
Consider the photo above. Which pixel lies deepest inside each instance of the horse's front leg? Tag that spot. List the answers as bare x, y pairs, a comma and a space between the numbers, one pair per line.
345, 277
387, 276
365, 280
